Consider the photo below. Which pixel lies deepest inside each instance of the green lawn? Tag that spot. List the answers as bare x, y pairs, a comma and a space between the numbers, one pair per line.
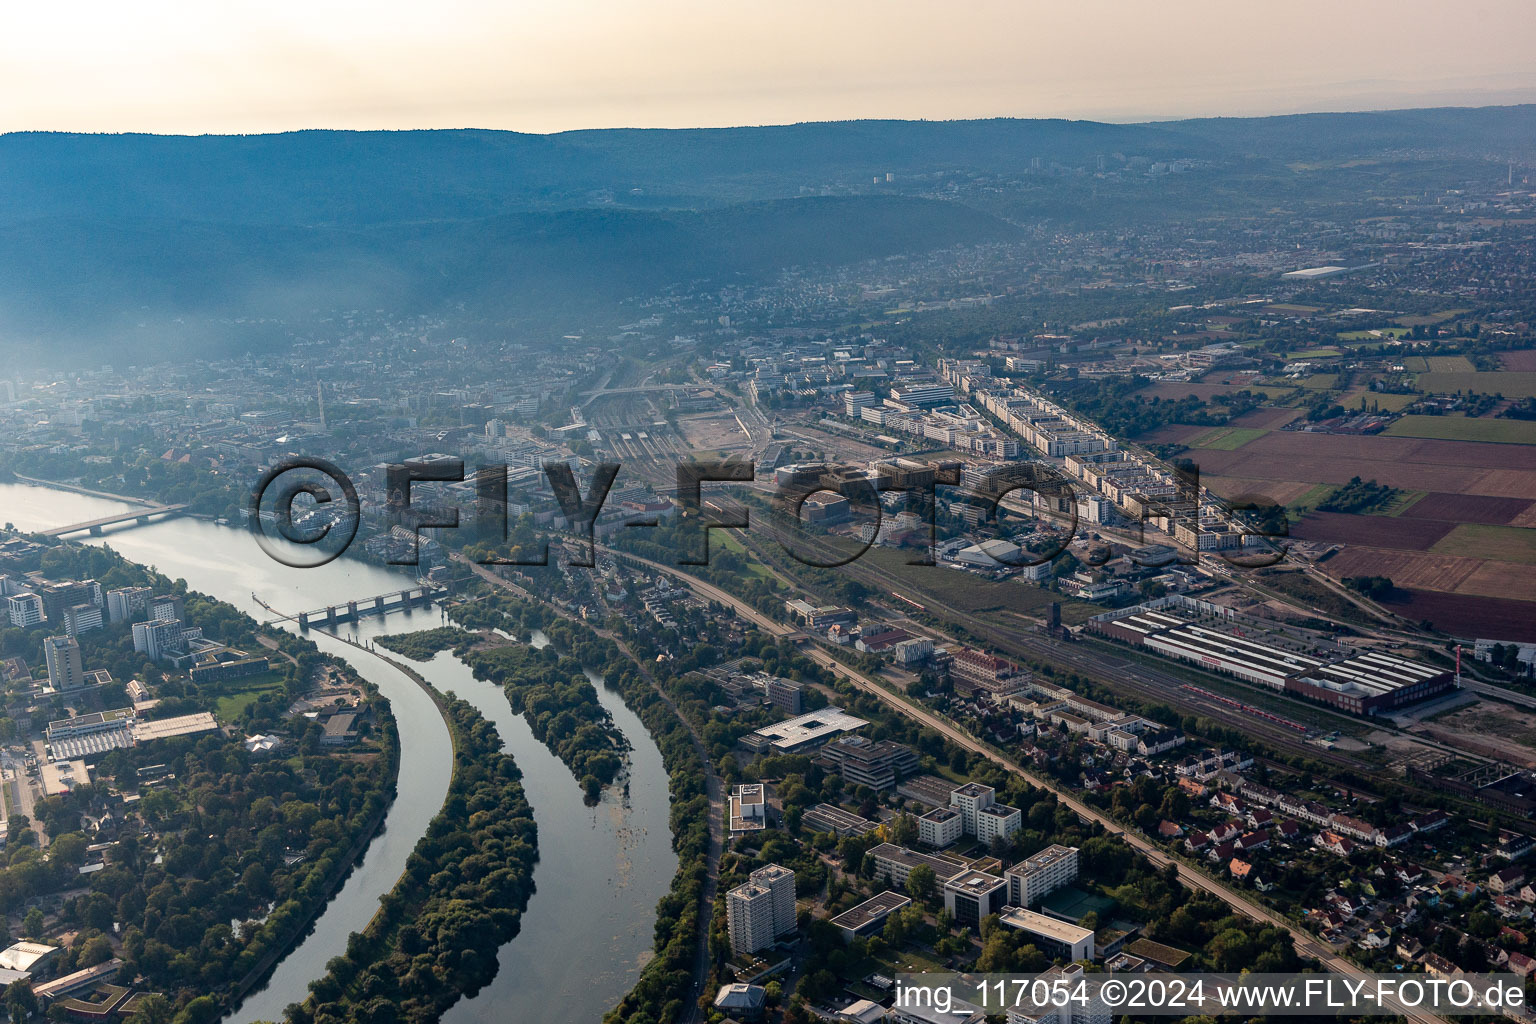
1499, 543
754, 567
1461, 428
1227, 439
238, 694
1509, 383
1378, 334
1309, 501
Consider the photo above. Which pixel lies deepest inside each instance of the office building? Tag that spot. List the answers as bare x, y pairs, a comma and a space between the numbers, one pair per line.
831, 818
81, 618
127, 603
864, 762
59, 596
894, 864
158, 638
166, 607
802, 734
1030, 1010
1034, 878
972, 895
785, 694
26, 610
64, 670
869, 917
1057, 938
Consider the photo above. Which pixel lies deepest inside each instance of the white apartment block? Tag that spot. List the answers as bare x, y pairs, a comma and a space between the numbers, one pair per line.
940, 827
998, 820
26, 609
64, 669
124, 604
1033, 878
969, 799
761, 909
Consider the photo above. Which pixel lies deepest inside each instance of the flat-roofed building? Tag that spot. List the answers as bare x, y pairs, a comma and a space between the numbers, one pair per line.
1057, 938
970, 798
831, 818
61, 777
865, 762
805, 732
25, 610
940, 827
761, 909
869, 917
62, 653
972, 895
1036, 876
749, 808
927, 789
894, 864
167, 728
997, 821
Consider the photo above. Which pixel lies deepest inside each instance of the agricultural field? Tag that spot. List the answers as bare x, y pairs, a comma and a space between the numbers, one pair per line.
1379, 400
1226, 439
1316, 353
1468, 616
1266, 417
1450, 364
1405, 463
1498, 543
1509, 383
1467, 508
1464, 428
1406, 568
1522, 361
1289, 493
1374, 531
1320, 381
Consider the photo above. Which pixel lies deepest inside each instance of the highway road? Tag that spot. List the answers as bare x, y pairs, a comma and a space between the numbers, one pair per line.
1306, 944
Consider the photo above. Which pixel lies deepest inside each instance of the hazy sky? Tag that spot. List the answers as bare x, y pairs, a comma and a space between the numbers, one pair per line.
533, 65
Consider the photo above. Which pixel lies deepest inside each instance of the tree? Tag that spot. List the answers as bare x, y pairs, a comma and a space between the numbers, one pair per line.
922, 883
32, 924
153, 1008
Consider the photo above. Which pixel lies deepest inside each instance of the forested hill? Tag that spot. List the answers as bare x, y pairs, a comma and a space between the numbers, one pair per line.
350, 178
107, 241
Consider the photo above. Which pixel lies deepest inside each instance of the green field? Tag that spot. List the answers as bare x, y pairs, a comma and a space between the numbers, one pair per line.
1499, 543
754, 567
1315, 353
1509, 383
1461, 428
1378, 334
1415, 364
1379, 399
1320, 381
1450, 364
1227, 439
238, 694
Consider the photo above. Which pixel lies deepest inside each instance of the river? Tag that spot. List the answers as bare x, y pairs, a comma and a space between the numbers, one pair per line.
588, 927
